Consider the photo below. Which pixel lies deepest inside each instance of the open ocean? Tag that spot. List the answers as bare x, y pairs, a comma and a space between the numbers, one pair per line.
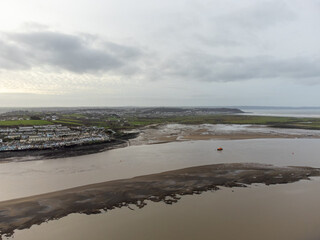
3, 110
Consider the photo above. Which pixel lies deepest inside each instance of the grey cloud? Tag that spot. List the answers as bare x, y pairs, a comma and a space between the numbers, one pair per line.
11, 57
203, 67
75, 53
242, 25
122, 51
261, 15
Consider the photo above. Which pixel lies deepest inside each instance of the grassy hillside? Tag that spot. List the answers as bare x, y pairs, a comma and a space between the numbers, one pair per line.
24, 123
130, 122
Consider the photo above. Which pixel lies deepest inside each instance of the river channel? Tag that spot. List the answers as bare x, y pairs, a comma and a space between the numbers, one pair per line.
287, 211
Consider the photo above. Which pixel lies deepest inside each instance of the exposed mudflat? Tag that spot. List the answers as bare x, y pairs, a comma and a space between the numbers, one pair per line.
181, 132
167, 186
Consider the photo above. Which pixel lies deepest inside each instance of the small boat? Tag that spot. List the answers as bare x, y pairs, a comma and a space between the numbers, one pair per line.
219, 149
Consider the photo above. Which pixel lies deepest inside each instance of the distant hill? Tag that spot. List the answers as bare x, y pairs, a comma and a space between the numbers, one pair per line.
190, 110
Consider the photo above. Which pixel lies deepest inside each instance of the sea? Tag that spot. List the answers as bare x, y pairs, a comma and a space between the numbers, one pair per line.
4, 110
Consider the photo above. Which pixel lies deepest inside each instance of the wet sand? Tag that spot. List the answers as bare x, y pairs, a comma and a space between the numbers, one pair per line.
180, 132
167, 186
197, 136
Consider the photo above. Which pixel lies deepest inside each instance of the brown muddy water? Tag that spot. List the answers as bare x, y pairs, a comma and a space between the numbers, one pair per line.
275, 212
289, 211
20, 179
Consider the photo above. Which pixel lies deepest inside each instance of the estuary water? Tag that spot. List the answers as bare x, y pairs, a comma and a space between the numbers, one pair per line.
20, 179
277, 212
287, 211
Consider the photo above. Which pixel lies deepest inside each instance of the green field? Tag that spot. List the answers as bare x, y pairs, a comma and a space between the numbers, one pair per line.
131, 122
281, 122
24, 123
68, 122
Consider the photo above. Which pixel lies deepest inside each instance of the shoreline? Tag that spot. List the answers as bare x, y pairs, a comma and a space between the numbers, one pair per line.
158, 134
63, 152
67, 151
166, 187
180, 132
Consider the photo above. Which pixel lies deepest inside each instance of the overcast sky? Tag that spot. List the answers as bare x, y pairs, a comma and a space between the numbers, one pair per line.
159, 52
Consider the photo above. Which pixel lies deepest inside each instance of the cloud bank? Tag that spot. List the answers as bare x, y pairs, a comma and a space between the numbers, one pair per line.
204, 67
74, 53
216, 50
87, 54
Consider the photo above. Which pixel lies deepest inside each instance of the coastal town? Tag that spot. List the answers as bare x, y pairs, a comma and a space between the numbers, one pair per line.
49, 137
52, 128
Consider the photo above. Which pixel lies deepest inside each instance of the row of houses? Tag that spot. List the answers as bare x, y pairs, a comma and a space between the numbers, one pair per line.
50, 136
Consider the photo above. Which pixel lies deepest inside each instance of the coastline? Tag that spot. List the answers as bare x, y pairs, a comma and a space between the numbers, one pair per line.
180, 132
159, 134
62, 152
166, 186
66, 151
